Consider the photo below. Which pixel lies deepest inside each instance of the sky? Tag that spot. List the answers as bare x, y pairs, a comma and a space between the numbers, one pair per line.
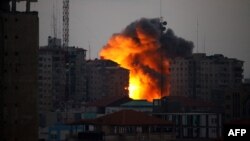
222, 25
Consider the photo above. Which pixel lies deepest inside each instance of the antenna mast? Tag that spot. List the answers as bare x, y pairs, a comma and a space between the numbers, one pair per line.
204, 43
54, 21
65, 23
197, 39
89, 52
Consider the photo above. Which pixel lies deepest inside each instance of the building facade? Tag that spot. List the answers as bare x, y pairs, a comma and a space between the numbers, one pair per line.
125, 125
19, 39
106, 78
199, 75
237, 103
195, 125
61, 76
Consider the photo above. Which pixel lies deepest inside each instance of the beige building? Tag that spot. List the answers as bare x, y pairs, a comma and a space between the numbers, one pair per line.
105, 78
199, 75
18, 78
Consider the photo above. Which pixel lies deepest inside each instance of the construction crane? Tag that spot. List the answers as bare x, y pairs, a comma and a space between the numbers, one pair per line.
65, 23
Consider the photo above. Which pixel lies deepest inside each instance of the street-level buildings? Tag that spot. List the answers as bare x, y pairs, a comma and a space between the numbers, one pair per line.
195, 125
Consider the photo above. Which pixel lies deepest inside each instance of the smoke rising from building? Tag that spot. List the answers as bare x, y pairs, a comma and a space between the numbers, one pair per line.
144, 49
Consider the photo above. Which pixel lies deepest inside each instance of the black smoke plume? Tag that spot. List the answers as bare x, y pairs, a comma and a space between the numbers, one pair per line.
171, 45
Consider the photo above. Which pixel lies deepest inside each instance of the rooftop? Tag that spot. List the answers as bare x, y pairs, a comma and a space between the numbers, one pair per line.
137, 103
124, 118
110, 100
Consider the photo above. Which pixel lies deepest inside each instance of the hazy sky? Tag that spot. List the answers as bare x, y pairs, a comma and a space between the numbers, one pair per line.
223, 25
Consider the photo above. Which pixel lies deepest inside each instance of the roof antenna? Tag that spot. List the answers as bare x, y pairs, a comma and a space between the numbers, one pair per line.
197, 39
54, 21
204, 43
89, 51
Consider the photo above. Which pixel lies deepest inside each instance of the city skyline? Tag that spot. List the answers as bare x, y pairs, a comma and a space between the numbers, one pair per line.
222, 25
147, 85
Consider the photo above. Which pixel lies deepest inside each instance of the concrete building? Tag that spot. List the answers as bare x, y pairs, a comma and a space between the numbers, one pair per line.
61, 76
51, 75
171, 104
195, 125
136, 105
106, 78
193, 118
237, 103
126, 125
199, 75
19, 39
99, 107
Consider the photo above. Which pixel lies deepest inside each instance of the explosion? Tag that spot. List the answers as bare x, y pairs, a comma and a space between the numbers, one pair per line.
145, 50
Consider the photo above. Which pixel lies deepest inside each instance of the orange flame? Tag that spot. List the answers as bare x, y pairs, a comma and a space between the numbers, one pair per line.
143, 58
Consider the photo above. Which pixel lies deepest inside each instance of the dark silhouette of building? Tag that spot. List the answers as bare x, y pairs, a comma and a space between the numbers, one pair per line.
105, 78
61, 76
18, 73
237, 103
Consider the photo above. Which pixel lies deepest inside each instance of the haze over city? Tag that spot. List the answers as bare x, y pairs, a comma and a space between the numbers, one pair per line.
223, 25
123, 70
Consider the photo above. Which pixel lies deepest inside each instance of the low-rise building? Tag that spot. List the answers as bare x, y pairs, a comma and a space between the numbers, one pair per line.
182, 104
98, 108
195, 125
136, 105
126, 125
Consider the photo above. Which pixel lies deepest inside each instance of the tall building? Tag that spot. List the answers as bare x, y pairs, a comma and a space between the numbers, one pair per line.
19, 39
61, 75
75, 74
199, 76
105, 78
51, 75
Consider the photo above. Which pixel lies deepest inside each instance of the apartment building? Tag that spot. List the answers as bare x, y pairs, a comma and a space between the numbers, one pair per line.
106, 78
199, 75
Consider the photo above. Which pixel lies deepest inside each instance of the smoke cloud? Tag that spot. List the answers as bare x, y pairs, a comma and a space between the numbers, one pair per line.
144, 49
171, 45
